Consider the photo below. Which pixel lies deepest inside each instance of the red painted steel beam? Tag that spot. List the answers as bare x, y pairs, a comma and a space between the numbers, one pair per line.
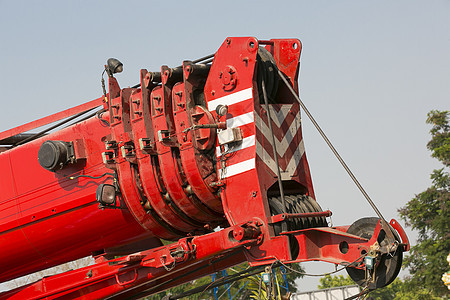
167, 185
402, 233
140, 270
52, 118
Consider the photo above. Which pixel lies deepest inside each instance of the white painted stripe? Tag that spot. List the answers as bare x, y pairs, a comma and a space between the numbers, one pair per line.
241, 120
231, 99
238, 168
246, 142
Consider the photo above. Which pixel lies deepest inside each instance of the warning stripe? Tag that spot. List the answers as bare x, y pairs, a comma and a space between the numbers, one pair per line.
241, 103
241, 120
246, 143
231, 99
238, 168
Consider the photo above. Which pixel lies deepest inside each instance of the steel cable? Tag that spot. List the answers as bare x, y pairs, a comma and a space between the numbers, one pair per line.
330, 145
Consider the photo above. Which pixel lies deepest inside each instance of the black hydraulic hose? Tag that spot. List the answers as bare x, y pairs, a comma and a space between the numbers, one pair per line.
39, 134
16, 138
90, 116
208, 61
205, 59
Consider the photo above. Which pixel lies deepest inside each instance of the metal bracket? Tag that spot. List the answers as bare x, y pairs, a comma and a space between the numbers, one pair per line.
286, 216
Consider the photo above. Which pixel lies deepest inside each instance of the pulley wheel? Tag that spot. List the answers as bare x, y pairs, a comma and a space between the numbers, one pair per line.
267, 71
387, 269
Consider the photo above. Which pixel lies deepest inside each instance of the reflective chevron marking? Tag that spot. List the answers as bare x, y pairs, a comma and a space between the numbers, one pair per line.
278, 117
270, 162
286, 129
231, 99
282, 145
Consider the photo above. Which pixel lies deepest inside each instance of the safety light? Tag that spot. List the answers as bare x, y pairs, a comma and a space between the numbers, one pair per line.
221, 110
106, 195
114, 66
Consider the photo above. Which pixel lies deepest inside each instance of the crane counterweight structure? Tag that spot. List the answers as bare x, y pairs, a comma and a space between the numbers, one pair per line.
215, 143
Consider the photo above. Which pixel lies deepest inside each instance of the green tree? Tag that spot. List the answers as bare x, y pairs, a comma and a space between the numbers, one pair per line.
400, 290
260, 290
243, 288
397, 290
329, 281
428, 213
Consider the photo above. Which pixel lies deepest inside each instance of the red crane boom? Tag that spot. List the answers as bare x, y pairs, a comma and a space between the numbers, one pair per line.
204, 146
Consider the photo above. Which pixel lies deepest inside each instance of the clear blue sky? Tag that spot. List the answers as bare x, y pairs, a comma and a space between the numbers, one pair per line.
370, 71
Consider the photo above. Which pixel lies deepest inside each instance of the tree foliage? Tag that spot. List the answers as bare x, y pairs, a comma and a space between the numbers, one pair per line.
329, 281
397, 290
277, 287
241, 289
439, 145
387, 293
428, 213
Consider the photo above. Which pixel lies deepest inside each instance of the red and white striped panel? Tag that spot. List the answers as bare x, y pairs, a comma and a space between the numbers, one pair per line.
241, 114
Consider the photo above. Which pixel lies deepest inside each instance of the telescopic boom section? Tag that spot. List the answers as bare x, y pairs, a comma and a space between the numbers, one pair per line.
208, 155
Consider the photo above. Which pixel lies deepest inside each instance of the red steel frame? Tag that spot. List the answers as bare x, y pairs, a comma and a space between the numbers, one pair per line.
176, 183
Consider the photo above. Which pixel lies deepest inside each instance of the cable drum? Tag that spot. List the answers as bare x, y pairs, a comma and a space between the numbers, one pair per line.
296, 204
